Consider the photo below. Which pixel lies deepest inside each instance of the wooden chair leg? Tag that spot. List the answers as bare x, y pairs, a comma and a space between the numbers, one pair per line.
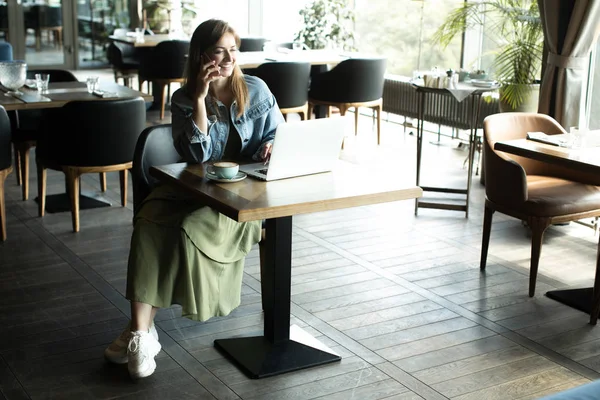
309, 111
41, 175
102, 176
3, 174
17, 165
379, 110
485, 240
161, 91
72, 175
328, 111
123, 180
24, 158
538, 227
304, 115
355, 121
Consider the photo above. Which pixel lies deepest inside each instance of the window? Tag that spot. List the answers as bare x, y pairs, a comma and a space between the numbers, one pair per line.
281, 19
235, 12
594, 92
401, 30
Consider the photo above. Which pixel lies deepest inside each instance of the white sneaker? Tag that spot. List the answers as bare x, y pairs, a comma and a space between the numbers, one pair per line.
116, 352
142, 349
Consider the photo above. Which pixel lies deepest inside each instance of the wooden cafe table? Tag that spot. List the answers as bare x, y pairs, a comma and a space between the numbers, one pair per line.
585, 159
59, 94
282, 348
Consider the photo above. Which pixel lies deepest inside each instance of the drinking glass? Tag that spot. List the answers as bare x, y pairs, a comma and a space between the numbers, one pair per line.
297, 45
92, 83
41, 82
139, 35
13, 75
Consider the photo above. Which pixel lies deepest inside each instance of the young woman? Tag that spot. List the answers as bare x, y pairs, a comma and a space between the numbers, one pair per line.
183, 252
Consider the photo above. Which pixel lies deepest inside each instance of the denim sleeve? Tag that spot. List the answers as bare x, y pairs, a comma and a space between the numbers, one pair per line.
193, 145
272, 119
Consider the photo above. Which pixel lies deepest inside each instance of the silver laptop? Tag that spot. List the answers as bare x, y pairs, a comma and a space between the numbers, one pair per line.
302, 148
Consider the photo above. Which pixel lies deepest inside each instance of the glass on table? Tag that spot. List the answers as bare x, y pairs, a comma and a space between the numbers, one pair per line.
92, 83
41, 82
297, 45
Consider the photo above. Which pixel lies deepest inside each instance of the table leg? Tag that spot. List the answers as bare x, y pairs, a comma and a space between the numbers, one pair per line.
281, 349
475, 108
61, 202
583, 299
420, 122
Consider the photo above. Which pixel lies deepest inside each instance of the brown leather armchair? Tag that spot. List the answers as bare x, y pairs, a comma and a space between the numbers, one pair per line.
538, 193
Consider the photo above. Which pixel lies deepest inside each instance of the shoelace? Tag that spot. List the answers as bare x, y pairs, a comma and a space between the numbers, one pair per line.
134, 343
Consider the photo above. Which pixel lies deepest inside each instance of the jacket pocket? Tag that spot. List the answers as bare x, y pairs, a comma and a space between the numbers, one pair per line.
258, 110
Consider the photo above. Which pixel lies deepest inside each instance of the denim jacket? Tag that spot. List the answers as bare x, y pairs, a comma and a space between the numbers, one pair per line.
256, 126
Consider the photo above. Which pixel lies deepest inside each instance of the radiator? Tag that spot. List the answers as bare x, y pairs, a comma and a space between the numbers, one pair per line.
399, 97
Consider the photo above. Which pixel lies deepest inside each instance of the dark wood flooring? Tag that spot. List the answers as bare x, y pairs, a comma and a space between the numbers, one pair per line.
399, 296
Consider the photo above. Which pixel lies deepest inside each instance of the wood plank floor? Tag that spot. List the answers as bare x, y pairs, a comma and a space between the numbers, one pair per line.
398, 296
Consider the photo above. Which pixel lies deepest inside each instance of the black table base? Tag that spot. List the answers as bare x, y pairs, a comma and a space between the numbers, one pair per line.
259, 358
56, 203
580, 299
281, 349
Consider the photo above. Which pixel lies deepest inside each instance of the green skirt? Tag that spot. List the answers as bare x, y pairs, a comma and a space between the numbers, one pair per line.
185, 253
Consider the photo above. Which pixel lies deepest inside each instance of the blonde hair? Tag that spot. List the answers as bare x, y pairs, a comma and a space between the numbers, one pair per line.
206, 35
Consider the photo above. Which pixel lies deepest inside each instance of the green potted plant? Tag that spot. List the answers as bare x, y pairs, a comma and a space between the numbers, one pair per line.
516, 27
327, 23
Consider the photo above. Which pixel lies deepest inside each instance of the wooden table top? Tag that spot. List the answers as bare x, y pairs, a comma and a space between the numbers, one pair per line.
60, 93
348, 185
583, 159
252, 59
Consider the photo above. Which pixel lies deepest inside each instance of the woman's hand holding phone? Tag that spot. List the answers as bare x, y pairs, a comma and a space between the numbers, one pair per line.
209, 71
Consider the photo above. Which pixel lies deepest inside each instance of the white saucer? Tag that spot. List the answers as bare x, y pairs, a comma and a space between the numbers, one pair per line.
240, 176
483, 83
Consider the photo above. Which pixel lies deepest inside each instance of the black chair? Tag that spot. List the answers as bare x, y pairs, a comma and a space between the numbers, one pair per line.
89, 137
5, 166
353, 83
154, 147
252, 44
124, 60
44, 18
26, 125
163, 65
288, 81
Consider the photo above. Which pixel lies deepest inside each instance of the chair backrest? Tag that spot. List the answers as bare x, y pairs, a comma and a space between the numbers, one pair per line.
56, 75
165, 61
505, 174
288, 81
92, 133
154, 147
5, 135
252, 44
352, 80
6, 51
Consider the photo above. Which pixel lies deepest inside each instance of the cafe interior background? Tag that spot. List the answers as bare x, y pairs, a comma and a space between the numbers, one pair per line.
401, 30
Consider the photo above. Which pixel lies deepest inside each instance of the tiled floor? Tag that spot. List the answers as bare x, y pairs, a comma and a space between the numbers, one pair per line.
398, 296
